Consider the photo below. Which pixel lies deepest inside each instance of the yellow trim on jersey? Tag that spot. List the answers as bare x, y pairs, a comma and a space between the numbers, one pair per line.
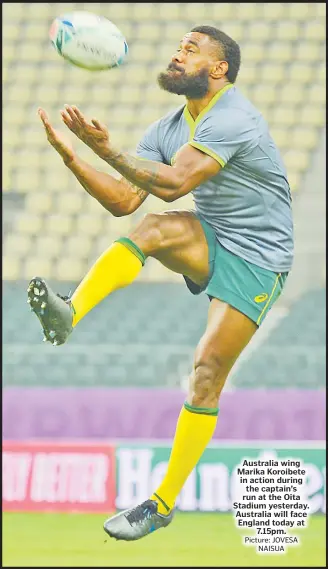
269, 299
190, 121
208, 152
193, 124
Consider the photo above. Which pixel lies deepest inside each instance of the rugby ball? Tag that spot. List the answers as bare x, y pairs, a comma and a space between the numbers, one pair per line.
88, 41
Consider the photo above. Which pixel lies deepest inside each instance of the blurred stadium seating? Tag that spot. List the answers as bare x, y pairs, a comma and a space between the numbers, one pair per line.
53, 228
294, 354
121, 343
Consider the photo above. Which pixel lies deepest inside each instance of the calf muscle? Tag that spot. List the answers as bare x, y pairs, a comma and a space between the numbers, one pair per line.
227, 334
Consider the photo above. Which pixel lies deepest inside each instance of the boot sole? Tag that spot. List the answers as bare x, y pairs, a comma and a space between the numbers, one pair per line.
37, 298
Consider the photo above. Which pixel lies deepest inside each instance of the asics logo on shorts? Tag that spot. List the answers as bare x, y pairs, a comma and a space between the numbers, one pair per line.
261, 297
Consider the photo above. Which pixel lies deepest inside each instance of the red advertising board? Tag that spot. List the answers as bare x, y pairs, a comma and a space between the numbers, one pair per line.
58, 477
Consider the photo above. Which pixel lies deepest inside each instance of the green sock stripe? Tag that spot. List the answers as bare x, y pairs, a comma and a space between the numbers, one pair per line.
202, 410
133, 248
162, 501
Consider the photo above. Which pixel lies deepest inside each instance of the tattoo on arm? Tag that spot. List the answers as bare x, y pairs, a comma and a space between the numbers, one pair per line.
130, 191
145, 174
141, 193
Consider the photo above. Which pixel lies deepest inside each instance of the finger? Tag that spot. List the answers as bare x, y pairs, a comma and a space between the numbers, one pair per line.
66, 118
71, 113
45, 120
42, 112
79, 115
97, 124
43, 116
71, 127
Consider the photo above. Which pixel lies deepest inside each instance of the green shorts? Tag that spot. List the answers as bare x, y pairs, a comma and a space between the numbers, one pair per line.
250, 289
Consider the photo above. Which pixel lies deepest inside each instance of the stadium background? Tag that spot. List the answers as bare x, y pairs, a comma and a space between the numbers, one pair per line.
120, 381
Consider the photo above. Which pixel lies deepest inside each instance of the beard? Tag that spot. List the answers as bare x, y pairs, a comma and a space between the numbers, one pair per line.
192, 85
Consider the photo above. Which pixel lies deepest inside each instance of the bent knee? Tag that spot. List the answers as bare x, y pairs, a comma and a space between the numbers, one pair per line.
148, 235
207, 381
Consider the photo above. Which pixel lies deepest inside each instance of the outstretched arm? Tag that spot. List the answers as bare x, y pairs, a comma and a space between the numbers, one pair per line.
120, 197
191, 168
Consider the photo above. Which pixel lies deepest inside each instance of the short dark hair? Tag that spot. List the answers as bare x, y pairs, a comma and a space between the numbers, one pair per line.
230, 48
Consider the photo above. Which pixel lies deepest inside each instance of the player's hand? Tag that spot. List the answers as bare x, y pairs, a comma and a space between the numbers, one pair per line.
57, 139
93, 134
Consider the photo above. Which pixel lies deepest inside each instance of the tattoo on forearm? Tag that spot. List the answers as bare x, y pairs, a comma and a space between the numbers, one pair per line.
142, 194
144, 174
111, 197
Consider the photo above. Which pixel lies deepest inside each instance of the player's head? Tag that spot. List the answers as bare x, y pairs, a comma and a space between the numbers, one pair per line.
205, 54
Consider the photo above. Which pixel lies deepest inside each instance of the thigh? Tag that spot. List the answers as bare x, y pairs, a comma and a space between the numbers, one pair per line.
250, 289
176, 239
227, 333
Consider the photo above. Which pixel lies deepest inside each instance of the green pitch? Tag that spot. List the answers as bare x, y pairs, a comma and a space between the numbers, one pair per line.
192, 540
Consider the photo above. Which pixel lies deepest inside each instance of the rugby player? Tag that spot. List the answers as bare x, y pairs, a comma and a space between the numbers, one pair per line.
236, 245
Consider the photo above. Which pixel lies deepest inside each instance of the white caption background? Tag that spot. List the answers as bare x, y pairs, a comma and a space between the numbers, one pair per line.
269, 499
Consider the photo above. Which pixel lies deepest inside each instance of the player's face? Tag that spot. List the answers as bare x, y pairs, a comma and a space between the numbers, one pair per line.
189, 70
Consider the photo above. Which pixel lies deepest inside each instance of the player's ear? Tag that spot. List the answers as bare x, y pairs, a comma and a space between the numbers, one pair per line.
219, 69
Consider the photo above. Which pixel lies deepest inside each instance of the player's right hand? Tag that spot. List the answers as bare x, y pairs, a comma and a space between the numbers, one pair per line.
57, 139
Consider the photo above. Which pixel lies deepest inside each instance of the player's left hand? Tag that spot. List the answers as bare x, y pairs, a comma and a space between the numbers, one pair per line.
93, 134
57, 139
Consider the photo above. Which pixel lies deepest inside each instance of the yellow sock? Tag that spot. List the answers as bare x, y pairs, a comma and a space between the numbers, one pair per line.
194, 431
117, 267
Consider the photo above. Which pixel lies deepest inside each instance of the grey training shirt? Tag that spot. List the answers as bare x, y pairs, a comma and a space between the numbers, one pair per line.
248, 203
